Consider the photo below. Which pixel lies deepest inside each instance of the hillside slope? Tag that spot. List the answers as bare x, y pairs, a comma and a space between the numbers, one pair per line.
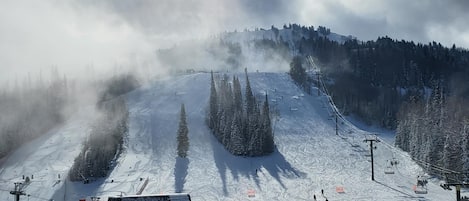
309, 155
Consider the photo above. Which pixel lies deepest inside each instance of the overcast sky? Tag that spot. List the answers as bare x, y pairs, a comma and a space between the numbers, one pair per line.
74, 34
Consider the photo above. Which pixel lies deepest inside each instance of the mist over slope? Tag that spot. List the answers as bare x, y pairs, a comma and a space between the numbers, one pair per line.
309, 156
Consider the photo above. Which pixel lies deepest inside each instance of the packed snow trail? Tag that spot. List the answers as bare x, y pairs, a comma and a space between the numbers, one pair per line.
46, 160
309, 157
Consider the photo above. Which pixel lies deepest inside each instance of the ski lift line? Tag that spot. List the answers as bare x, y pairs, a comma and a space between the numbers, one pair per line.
339, 115
335, 109
329, 97
416, 160
420, 162
441, 169
322, 85
435, 167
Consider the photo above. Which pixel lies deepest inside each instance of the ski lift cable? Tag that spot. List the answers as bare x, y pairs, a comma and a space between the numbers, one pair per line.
329, 97
330, 102
420, 162
341, 117
393, 148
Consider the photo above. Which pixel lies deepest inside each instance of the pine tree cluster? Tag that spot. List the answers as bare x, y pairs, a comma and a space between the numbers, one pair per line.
106, 139
299, 75
104, 143
436, 131
241, 126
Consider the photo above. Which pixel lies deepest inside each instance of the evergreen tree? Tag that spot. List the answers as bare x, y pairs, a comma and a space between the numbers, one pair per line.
255, 134
435, 132
236, 145
268, 138
250, 100
213, 113
452, 152
298, 73
465, 147
249, 122
238, 99
182, 138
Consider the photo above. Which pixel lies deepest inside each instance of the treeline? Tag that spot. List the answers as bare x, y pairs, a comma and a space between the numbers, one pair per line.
372, 79
239, 123
106, 138
419, 89
31, 109
436, 131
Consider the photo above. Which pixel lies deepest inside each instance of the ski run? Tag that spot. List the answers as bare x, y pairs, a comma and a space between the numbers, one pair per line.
309, 157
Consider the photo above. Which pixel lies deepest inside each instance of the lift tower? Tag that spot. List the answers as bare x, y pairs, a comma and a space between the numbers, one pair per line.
371, 139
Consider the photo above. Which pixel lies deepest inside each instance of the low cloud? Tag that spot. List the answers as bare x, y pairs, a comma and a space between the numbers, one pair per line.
39, 35
420, 21
79, 35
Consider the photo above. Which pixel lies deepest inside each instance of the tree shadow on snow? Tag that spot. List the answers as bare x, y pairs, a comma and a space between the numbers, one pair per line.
180, 173
274, 164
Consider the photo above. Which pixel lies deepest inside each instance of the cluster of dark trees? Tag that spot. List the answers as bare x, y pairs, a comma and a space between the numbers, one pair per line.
104, 143
116, 86
299, 75
370, 77
106, 138
31, 109
421, 90
239, 123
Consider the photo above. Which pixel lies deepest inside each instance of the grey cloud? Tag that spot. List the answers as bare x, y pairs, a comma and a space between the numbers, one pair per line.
74, 34
366, 19
421, 21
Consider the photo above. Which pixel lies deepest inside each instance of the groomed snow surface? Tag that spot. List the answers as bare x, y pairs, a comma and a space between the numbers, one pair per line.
310, 157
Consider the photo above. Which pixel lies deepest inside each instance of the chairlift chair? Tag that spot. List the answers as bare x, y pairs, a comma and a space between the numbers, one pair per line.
421, 187
389, 169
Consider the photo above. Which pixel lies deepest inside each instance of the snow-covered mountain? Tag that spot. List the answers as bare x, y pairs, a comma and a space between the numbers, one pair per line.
287, 34
310, 157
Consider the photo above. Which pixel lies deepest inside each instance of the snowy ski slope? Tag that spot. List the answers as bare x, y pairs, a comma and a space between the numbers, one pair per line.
309, 155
